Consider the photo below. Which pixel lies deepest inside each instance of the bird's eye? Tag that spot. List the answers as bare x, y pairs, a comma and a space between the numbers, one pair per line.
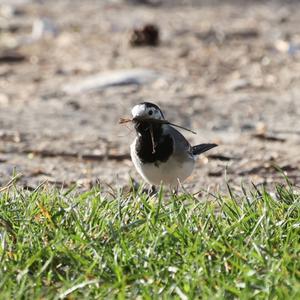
150, 112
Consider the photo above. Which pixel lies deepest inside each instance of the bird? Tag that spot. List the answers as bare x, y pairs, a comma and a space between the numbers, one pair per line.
159, 152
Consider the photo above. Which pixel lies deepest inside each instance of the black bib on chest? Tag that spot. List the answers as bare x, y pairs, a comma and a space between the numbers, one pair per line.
144, 148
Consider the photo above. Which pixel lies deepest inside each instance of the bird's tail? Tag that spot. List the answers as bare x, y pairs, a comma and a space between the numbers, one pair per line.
198, 149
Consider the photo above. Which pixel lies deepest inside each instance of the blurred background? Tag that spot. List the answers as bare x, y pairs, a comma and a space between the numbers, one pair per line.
70, 69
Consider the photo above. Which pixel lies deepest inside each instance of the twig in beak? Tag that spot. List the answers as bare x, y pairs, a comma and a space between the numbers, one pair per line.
192, 131
126, 120
152, 138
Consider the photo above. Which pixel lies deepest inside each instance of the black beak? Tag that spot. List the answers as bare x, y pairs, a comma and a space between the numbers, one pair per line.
141, 119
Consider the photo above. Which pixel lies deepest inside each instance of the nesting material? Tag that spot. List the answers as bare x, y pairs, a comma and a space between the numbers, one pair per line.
153, 121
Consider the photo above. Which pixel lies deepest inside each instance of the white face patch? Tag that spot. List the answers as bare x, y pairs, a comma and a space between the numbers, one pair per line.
141, 110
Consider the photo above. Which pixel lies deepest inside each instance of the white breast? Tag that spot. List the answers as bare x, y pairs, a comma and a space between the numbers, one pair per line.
168, 172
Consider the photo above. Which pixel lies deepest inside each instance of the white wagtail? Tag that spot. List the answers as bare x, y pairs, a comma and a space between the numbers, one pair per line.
160, 153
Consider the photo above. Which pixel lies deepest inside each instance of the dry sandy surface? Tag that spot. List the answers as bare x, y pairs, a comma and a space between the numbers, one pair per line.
229, 70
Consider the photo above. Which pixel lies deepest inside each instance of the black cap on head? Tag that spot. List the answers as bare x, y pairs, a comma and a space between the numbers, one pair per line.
149, 105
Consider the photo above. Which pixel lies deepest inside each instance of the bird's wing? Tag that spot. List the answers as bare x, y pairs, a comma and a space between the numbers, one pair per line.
181, 146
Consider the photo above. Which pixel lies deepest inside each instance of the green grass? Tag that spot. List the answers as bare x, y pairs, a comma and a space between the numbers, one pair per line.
92, 245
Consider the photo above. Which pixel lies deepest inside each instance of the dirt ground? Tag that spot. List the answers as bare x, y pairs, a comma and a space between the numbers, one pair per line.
228, 69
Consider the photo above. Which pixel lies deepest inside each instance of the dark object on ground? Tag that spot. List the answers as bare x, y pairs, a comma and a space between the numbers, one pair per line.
145, 2
11, 57
270, 138
148, 35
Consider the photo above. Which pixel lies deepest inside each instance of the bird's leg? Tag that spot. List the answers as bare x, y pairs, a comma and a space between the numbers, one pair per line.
175, 188
175, 191
152, 190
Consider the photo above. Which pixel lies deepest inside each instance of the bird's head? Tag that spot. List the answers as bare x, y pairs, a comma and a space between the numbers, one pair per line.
146, 111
